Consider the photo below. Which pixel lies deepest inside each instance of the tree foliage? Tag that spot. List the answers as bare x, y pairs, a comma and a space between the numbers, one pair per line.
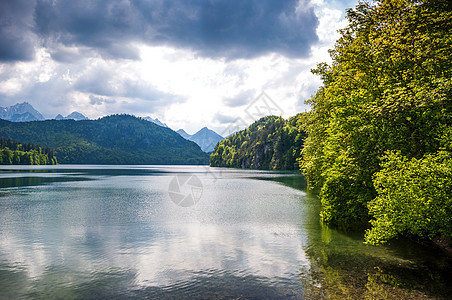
388, 89
116, 139
414, 197
269, 143
15, 153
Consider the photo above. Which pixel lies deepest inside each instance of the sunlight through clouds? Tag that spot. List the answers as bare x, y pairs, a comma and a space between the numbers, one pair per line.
130, 61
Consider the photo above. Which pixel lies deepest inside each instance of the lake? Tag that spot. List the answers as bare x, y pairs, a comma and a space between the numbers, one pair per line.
89, 232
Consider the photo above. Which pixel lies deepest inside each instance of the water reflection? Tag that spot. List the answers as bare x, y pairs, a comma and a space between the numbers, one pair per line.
19, 181
345, 268
113, 232
120, 235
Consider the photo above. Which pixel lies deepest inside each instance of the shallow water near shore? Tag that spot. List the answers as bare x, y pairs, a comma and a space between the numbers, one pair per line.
95, 231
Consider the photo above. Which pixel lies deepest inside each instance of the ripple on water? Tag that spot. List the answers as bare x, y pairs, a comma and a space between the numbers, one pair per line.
113, 232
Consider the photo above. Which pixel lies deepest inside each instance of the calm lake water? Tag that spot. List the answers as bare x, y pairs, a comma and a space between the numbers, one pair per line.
87, 232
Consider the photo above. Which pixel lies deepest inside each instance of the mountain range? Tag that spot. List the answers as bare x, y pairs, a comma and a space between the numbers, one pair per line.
21, 112
184, 134
72, 116
205, 138
25, 112
115, 139
155, 121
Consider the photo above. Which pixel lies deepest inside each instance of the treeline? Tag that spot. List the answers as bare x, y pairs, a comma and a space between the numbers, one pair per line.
115, 139
269, 143
16, 153
379, 143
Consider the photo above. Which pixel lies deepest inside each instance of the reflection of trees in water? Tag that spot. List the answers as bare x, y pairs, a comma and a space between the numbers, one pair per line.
342, 267
34, 181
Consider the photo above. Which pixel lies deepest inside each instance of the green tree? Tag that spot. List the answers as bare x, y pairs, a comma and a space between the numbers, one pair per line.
16, 157
269, 143
388, 88
13, 152
7, 156
414, 197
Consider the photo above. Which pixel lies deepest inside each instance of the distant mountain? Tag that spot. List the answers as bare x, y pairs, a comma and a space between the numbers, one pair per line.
116, 139
269, 143
20, 112
155, 121
72, 116
205, 138
184, 134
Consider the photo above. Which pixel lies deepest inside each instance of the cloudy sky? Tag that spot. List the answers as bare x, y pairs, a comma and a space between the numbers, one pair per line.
189, 63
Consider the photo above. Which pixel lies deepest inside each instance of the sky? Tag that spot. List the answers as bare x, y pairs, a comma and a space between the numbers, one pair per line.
215, 63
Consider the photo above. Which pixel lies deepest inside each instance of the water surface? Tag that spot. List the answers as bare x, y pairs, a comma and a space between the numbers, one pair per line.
78, 231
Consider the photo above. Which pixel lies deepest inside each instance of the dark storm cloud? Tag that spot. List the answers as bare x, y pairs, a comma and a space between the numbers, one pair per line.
233, 28
213, 28
17, 40
107, 26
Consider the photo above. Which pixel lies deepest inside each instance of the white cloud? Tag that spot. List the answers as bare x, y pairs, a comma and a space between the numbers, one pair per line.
178, 86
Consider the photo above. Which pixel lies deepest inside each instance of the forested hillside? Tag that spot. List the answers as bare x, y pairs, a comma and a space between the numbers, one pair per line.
269, 143
15, 153
116, 139
379, 133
